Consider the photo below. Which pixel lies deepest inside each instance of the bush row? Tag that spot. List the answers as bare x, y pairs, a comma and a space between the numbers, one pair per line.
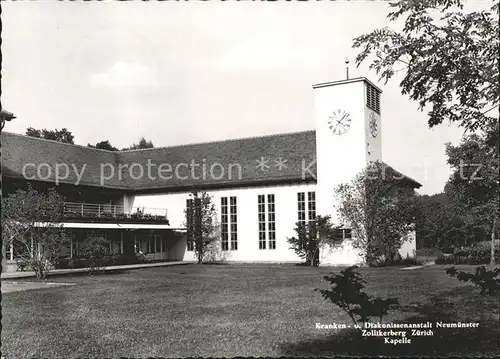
407, 262
477, 254
108, 260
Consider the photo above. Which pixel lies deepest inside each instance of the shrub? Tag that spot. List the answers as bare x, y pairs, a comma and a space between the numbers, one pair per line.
311, 236
22, 265
40, 267
347, 293
115, 259
77, 263
448, 250
445, 260
140, 258
487, 280
399, 261
124, 259
474, 255
428, 252
214, 252
94, 251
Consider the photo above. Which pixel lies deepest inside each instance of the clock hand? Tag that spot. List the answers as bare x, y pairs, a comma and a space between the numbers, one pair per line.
340, 121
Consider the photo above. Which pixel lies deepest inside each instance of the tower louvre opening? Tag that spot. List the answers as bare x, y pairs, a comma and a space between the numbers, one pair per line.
372, 98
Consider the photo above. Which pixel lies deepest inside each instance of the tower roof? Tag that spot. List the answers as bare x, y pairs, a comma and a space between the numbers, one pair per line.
346, 81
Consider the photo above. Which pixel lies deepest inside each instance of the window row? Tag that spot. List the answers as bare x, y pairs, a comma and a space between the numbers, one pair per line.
266, 215
153, 244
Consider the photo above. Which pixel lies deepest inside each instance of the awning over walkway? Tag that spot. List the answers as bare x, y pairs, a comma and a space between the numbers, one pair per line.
111, 225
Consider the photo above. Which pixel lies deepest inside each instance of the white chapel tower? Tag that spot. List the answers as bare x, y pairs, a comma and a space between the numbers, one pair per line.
348, 136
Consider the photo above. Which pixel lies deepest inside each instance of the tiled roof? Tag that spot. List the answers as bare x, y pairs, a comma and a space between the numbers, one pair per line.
122, 169
224, 163
19, 152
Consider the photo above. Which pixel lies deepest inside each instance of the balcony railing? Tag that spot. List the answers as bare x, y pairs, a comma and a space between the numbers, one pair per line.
113, 211
92, 209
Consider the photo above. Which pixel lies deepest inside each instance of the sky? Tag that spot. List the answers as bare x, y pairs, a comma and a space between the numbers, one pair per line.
188, 72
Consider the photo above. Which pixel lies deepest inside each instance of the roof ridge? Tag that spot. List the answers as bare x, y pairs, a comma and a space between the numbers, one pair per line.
346, 81
59, 142
162, 147
216, 141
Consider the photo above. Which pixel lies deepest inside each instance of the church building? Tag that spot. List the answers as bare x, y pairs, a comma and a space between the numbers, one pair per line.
261, 186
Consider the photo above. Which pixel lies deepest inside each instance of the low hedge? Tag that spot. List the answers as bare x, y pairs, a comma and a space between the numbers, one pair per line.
428, 252
407, 262
479, 253
110, 260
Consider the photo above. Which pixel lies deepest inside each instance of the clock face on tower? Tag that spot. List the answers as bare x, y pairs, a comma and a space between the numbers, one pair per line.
339, 122
373, 124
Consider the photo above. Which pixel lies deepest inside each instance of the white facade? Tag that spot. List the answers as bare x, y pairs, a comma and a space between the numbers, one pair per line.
286, 213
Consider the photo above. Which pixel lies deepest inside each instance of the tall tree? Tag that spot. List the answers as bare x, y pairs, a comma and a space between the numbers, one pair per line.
474, 184
381, 210
31, 224
104, 145
142, 144
200, 223
311, 236
444, 222
450, 61
62, 135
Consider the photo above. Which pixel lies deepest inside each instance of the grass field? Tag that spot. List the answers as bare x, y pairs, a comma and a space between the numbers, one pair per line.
236, 310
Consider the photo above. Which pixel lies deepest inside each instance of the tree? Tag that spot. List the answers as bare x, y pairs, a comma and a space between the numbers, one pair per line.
200, 223
441, 224
380, 208
31, 224
451, 62
62, 135
311, 236
474, 184
142, 144
103, 145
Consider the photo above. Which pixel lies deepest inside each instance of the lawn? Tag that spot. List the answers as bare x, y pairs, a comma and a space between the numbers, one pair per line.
236, 310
